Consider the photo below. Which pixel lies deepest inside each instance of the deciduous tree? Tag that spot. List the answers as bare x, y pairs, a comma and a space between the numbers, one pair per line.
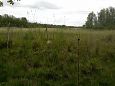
91, 20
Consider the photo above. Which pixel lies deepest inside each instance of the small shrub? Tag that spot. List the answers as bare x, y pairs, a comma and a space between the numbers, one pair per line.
35, 46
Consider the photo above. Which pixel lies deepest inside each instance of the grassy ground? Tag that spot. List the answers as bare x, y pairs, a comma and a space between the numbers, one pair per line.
39, 58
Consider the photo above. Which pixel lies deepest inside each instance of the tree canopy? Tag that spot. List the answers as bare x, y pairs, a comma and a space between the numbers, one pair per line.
11, 21
104, 19
91, 20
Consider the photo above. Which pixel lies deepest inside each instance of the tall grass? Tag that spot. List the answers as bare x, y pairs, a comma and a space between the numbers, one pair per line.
34, 62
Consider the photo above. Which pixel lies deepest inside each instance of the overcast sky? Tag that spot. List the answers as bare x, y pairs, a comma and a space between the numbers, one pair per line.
69, 12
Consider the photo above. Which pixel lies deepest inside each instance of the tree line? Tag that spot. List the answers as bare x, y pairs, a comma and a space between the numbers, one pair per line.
11, 21
105, 19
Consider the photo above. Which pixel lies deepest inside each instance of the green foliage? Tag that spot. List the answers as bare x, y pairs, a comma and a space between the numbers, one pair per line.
11, 21
91, 20
105, 19
8, 1
11, 2
1, 3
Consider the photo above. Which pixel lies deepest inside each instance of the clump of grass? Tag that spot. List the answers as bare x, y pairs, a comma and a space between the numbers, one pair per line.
3, 44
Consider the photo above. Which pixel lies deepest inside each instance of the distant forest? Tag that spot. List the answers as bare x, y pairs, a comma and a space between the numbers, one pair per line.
105, 19
11, 21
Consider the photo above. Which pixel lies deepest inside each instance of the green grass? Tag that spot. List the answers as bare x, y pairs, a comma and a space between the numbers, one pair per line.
32, 61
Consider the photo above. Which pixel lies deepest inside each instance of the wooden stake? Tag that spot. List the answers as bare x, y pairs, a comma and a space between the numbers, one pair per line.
8, 36
78, 64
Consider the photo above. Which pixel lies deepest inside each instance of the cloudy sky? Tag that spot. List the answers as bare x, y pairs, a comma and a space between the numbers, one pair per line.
68, 12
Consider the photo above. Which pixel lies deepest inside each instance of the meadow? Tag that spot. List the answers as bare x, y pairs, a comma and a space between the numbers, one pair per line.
36, 57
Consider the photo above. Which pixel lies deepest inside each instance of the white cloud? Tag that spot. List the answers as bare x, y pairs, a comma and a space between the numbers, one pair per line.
41, 5
53, 11
44, 5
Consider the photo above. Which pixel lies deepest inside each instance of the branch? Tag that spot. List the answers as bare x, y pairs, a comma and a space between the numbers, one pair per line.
8, 1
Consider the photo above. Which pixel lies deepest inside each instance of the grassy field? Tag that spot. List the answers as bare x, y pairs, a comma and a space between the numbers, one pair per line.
36, 57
